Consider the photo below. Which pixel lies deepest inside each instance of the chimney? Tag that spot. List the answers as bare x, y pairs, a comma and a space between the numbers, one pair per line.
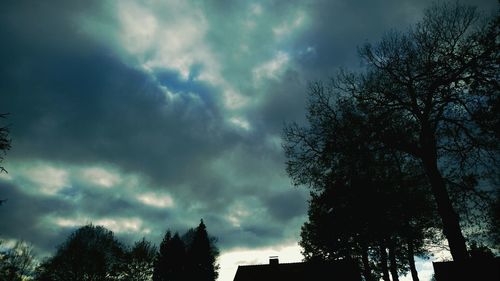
274, 260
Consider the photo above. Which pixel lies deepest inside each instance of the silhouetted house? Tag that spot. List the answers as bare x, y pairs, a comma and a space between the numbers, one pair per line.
301, 271
473, 269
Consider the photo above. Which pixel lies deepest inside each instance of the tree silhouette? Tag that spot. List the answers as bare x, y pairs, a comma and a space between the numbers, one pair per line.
478, 251
424, 96
202, 256
89, 253
160, 269
139, 262
495, 222
16, 263
368, 203
192, 257
425, 91
4, 141
4, 146
171, 260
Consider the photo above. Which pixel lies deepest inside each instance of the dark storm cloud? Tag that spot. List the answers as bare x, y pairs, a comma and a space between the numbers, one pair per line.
287, 205
339, 27
284, 103
93, 108
251, 236
22, 217
53, 215
335, 31
87, 106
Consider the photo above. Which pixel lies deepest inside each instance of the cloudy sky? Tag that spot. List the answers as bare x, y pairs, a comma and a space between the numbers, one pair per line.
147, 115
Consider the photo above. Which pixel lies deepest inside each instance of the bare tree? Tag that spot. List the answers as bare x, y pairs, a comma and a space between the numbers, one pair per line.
4, 146
431, 93
427, 92
17, 262
4, 142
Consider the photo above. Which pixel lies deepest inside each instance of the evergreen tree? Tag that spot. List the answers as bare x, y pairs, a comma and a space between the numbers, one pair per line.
171, 261
192, 257
202, 256
160, 268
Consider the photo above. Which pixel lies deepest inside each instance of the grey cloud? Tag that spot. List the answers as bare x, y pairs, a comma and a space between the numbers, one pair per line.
89, 107
23, 216
340, 26
33, 217
287, 205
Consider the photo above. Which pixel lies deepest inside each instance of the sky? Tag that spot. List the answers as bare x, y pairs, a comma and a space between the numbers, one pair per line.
143, 116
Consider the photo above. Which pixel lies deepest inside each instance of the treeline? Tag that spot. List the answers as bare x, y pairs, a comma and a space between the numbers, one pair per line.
404, 154
93, 253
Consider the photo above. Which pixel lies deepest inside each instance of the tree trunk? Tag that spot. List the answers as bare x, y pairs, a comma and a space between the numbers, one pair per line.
451, 223
383, 263
366, 264
392, 260
411, 260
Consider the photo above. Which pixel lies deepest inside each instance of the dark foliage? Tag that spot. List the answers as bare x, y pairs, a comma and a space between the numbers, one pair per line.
190, 257
422, 119
428, 93
365, 197
495, 222
202, 256
16, 263
171, 261
93, 253
89, 253
139, 262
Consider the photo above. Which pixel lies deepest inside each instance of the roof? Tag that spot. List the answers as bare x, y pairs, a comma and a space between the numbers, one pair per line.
302, 271
472, 269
